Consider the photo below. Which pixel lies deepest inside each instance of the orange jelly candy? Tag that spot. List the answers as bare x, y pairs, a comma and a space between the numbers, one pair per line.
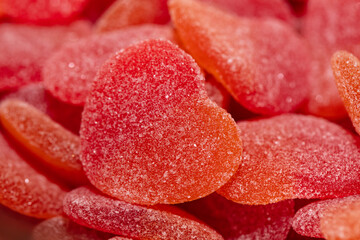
149, 132
267, 77
294, 156
123, 13
346, 69
25, 190
46, 139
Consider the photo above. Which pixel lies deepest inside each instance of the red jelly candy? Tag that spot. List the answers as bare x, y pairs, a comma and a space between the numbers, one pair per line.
46, 139
25, 190
42, 11
119, 238
60, 228
310, 220
265, 76
69, 116
294, 156
125, 13
216, 92
236, 221
68, 74
346, 69
25, 49
149, 132
256, 8
329, 25
93, 210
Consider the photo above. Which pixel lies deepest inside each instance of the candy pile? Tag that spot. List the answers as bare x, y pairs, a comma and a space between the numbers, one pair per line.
179, 119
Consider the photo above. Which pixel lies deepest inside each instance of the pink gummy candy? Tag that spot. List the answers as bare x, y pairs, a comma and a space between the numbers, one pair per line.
329, 25
93, 210
68, 74
216, 92
241, 222
310, 220
42, 11
25, 49
256, 8
294, 156
267, 77
60, 228
25, 190
346, 69
69, 116
149, 132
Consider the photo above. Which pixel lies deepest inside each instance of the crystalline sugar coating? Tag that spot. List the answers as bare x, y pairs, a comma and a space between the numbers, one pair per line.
150, 134
46, 139
25, 190
68, 74
294, 156
346, 69
93, 210
267, 77
242, 222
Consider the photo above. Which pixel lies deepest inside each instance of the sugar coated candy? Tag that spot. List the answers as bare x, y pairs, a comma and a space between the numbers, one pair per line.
69, 116
310, 220
68, 74
342, 221
216, 92
243, 222
329, 25
294, 156
153, 136
25, 190
119, 238
346, 69
43, 11
123, 13
267, 77
25, 49
256, 8
60, 228
90, 209
50, 142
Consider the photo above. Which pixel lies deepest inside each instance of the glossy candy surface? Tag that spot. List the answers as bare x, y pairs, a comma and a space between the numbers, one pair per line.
294, 156
161, 140
69, 73
46, 139
267, 77
91, 209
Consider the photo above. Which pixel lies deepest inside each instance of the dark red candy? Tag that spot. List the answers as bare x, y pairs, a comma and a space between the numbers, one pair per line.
25, 49
68, 74
236, 221
96, 211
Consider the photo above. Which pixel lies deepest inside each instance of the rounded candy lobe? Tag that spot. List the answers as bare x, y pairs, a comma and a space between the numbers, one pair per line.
346, 69
153, 136
293, 156
46, 12
329, 26
60, 228
26, 48
311, 219
123, 13
267, 77
25, 190
68, 74
93, 210
243, 222
54, 145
